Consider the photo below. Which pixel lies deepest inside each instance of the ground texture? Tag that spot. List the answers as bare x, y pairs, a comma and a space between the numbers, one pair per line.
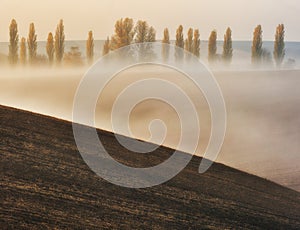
45, 184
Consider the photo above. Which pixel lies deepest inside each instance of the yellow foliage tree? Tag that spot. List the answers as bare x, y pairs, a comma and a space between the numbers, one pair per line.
59, 42
13, 42
124, 33
90, 48
257, 50
279, 50
50, 48
144, 33
179, 37
196, 44
227, 46
179, 43
141, 30
166, 38
32, 44
23, 53
212, 46
106, 47
165, 44
189, 41
151, 35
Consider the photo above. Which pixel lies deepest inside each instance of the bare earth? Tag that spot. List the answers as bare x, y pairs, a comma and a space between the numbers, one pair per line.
45, 184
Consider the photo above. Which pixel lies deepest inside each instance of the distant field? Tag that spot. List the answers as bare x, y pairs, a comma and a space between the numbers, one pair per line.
45, 184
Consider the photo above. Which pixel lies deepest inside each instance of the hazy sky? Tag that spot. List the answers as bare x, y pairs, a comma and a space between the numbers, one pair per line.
99, 15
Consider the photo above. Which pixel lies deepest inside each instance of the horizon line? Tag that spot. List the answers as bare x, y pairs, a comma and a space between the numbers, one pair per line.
158, 40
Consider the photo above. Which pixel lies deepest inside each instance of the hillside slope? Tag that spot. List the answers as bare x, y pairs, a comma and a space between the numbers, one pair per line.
44, 183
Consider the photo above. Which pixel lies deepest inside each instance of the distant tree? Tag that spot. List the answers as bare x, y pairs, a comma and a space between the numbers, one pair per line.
50, 48
23, 53
227, 46
257, 45
151, 36
144, 33
196, 44
165, 44
166, 38
73, 57
179, 42
141, 30
212, 46
124, 33
189, 41
90, 48
59, 41
179, 37
279, 46
13, 42
32, 43
106, 47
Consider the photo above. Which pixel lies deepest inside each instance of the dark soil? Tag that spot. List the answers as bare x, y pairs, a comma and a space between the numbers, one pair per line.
45, 184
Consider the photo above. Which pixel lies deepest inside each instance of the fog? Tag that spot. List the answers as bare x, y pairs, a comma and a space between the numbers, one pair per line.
263, 122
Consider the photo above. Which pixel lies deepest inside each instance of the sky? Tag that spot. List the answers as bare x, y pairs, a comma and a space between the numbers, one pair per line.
100, 16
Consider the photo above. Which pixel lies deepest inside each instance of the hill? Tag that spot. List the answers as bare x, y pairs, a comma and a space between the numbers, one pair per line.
44, 183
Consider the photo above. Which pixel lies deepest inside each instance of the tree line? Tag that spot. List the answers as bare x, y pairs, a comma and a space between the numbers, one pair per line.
55, 47
126, 32
261, 55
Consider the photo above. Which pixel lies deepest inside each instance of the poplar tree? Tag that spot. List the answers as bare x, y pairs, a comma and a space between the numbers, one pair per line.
59, 42
227, 46
13, 42
189, 41
165, 44
212, 46
90, 48
196, 44
106, 47
179, 42
166, 38
23, 53
179, 37
279, 46
50, 48
32, 43
257, 45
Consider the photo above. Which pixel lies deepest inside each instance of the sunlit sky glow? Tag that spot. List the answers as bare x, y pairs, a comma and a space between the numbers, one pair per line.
99, 15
